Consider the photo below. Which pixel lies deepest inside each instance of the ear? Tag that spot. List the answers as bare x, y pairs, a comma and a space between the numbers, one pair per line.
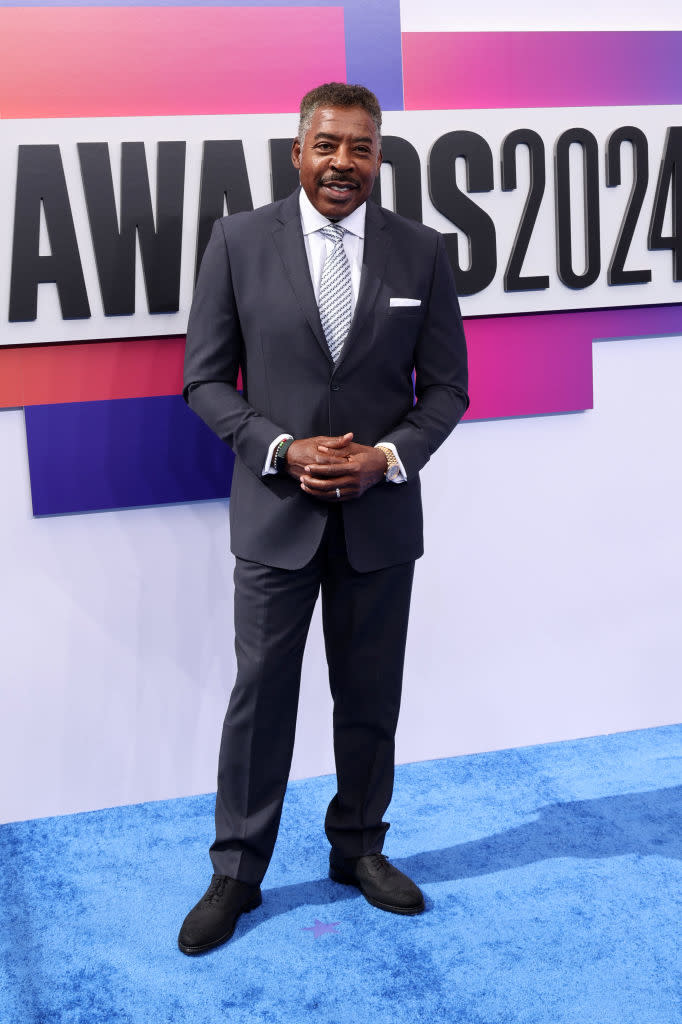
296, 154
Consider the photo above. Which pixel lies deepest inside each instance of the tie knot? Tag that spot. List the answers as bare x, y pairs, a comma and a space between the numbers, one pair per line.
333, 232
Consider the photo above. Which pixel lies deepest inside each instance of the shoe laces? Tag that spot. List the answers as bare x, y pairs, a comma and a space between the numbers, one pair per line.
379, 862
216, 889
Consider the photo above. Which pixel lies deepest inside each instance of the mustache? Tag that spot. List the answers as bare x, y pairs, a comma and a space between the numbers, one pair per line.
339, 179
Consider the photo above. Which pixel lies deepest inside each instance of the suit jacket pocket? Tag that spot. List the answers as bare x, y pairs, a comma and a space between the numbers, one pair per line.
404, 312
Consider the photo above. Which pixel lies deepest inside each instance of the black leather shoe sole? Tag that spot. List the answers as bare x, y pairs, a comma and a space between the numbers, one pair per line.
194, 950
344, 879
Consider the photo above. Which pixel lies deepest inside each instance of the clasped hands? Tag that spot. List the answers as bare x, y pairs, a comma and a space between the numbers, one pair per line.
335, 468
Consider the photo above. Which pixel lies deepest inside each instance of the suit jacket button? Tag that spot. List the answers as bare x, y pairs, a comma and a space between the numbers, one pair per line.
336, 387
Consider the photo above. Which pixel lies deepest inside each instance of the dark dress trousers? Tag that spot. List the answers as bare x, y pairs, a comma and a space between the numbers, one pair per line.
254, 309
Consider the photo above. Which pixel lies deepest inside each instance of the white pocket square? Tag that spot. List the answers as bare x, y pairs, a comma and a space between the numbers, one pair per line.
405, 302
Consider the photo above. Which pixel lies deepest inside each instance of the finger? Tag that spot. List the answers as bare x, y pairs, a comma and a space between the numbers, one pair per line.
337, 442
327, 496
320, 486
311, 483
329, 456
331, 496
327, 469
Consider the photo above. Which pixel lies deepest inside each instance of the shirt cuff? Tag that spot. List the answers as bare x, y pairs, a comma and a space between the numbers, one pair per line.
268, 467
401, 478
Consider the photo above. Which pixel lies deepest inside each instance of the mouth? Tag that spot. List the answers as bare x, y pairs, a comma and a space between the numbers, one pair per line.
339, 189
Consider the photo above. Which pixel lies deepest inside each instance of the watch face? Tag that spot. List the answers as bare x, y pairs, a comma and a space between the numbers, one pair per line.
392, 472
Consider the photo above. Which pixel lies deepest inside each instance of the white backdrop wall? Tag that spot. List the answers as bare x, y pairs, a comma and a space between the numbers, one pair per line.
540, 16
548, 605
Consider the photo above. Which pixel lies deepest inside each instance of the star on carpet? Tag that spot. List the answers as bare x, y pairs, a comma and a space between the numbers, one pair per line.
320, 928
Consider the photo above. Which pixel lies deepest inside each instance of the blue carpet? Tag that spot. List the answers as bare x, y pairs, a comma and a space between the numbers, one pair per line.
552, 874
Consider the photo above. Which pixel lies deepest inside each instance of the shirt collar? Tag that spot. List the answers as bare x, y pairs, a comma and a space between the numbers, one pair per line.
312, 220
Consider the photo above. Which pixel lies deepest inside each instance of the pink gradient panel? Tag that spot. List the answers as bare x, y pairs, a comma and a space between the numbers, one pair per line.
128, 61
465, 70
520, 366
91, 371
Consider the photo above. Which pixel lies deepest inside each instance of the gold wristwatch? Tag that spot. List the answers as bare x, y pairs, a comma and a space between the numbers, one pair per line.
392, 467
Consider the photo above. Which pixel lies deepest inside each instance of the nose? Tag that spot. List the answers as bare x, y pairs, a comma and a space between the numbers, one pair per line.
342, 159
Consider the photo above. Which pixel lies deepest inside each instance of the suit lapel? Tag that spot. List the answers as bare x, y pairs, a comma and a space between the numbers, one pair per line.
375, 254
288, 238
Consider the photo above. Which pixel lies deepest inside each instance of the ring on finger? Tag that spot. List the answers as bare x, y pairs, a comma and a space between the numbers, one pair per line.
338, 492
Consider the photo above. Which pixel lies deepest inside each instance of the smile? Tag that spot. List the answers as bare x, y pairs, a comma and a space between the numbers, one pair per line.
340, 187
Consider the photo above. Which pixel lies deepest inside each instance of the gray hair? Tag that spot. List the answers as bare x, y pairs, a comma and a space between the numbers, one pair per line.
337, 94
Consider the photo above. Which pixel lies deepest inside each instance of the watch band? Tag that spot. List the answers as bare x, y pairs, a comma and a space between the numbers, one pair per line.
392, 466
279, 458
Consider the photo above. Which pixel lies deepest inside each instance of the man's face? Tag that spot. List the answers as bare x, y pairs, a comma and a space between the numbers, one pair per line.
339, 160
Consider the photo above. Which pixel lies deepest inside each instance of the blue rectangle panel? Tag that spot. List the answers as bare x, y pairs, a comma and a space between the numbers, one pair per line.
91, 456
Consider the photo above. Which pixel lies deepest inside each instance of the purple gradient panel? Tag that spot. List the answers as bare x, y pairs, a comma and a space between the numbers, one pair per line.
469, 70
633, 322
374, 49
91, 456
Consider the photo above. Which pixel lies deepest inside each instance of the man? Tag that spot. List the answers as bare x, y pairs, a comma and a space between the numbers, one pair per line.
328, 304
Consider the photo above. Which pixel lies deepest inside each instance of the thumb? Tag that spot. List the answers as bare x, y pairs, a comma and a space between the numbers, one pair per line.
337, 442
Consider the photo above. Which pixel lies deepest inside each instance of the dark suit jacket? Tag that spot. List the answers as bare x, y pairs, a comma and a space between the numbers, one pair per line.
254, 308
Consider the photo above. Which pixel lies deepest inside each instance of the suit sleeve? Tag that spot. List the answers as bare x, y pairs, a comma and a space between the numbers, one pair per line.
441, 370
213, 356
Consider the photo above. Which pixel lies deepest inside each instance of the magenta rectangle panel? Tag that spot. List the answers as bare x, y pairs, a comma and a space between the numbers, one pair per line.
132, 61
529, 365
542, 363
465, 70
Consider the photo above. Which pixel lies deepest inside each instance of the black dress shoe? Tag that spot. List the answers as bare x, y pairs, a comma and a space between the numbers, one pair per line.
215, 916
380, 883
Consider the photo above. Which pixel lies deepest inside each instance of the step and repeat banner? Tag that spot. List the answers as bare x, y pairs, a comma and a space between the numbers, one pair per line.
551, 162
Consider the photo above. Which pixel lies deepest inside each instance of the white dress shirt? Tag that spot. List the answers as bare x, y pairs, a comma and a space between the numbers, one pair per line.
317, 249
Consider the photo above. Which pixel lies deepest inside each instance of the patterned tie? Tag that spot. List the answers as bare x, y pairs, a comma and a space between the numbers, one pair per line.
336, 291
